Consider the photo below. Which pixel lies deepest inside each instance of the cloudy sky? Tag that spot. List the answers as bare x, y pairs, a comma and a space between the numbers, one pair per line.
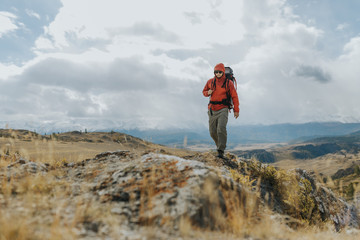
144, 64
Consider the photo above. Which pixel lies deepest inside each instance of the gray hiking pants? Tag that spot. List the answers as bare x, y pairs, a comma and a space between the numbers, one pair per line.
217, 127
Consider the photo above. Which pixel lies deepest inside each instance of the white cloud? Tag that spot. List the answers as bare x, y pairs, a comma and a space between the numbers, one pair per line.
144, 63
32, 13
44, 44
166, 19
8, 70
342, 26
352, 48
7, 23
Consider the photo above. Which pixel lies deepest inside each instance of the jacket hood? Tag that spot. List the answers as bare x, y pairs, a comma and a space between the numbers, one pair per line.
220, 67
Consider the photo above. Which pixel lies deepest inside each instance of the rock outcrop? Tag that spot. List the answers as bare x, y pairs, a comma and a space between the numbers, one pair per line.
327, 205
163, 190
168, 192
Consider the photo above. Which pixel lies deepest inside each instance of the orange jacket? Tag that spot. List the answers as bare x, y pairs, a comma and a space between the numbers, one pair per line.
219, 92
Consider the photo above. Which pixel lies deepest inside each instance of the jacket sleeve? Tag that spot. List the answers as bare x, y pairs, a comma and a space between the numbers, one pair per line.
234, 97
206, 89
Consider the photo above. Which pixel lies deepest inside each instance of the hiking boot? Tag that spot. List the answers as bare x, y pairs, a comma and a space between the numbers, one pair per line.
227, 161
220, 154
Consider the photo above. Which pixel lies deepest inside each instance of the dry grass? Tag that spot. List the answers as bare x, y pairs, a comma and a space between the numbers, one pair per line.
50, 200
41, 207
327, 165
52, 151
74, 147
247, 219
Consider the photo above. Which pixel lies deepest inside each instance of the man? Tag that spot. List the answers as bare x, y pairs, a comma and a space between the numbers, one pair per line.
221, 92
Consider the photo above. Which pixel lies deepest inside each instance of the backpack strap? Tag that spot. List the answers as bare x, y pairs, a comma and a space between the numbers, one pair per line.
213, 84
226, 101
225, 84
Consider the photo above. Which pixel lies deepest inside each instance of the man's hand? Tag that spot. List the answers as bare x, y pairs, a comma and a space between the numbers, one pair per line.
210, 92
236, 115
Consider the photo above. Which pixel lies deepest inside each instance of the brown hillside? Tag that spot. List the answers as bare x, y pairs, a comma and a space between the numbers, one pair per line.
74, 146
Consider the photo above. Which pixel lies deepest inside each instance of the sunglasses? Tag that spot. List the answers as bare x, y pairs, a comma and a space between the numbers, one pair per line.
216, 72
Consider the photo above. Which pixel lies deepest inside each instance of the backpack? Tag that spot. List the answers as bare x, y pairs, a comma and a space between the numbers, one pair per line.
229, 76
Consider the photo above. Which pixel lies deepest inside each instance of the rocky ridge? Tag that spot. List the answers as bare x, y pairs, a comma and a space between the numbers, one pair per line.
122, 195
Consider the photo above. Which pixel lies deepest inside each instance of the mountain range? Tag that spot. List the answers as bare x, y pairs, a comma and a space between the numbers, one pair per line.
180, 137
248, 134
